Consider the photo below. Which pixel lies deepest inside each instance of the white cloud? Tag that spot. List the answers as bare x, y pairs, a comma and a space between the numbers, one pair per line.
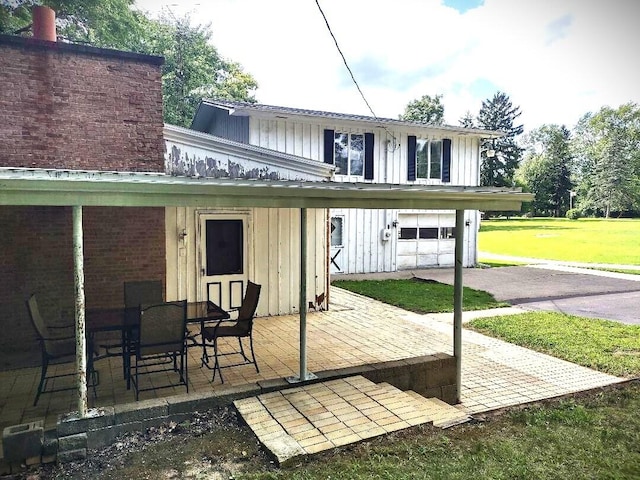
556, 59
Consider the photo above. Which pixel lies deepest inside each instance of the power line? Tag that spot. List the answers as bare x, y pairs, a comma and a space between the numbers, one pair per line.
345, 60
353, 78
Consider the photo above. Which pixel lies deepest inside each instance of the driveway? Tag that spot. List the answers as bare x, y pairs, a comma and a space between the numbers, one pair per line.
572, 290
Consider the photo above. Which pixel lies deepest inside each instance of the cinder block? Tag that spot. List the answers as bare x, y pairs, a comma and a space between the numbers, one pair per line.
23, 441
267, 386
101, 437
449, 394
72, 455
72, 442
71, 423
139, 411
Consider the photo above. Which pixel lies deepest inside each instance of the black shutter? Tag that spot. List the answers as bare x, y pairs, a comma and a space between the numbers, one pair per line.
329, 139
368, 156
411, 157
446, 160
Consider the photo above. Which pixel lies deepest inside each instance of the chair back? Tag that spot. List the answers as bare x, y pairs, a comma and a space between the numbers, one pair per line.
142, 292
36, 318
163, 328
248, 308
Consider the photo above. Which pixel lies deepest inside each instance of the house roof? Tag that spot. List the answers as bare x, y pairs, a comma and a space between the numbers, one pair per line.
173, 133
27, 186
202, 116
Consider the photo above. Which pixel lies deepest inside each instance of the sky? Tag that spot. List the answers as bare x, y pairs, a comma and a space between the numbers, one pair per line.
556, 59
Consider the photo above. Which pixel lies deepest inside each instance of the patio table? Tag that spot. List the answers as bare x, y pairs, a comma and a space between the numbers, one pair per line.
127, 319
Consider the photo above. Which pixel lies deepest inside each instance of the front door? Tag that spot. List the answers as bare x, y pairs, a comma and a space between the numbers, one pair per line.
223, 258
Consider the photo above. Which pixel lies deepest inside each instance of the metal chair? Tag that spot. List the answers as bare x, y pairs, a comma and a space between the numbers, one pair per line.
242, 327
161, 344
136, 293
57, 344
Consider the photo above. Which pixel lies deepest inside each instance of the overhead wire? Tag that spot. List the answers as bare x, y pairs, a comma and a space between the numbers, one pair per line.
353, 78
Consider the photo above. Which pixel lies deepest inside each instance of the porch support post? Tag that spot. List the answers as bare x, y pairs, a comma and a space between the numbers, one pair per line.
457, 301
81, 342
303, 375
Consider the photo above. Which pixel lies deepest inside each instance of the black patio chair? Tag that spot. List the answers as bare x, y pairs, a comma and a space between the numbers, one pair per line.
161, 345
136, 293
241, 327
57, 345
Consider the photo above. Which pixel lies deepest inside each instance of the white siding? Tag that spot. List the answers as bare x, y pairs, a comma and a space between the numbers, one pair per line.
274, 255
364, 250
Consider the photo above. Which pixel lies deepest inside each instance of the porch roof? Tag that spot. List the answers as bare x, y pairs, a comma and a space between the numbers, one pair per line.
32, 186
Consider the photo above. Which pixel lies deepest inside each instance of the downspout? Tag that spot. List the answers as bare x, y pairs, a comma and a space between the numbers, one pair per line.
457, 301
81, 340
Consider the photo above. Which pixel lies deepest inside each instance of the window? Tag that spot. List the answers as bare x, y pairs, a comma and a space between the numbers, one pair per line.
428, 233
408, 233
349, 153
428, 158
224, 247
336, 231
448, 232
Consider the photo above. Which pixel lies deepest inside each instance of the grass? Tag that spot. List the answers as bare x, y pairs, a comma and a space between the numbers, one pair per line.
583, 240
591, 436
603, 345
418, 295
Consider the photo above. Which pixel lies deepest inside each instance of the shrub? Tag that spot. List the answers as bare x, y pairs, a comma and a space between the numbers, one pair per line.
573, 214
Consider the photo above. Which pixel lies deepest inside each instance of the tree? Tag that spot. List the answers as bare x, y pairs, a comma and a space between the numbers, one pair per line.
426, 109
193, 69
104, 23
498, 169
546, 169
607, 145
467, 120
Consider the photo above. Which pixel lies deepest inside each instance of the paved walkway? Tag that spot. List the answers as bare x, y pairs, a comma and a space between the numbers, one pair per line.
495, 374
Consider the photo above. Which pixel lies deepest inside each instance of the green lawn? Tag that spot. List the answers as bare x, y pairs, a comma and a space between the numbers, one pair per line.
603, 345
418, 295
583, 240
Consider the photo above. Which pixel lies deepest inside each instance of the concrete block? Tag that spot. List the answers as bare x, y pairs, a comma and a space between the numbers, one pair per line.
23, 441
435, 392
72, 442
72, 455
450, 394
101, 437
71, 423
50, 443
139, 411
272, 385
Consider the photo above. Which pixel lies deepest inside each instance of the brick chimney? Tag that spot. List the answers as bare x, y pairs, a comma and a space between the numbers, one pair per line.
44, 23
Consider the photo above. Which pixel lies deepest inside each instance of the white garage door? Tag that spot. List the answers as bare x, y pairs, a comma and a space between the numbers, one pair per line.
426, 240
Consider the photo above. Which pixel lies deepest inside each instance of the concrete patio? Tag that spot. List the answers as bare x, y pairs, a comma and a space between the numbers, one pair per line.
355, 331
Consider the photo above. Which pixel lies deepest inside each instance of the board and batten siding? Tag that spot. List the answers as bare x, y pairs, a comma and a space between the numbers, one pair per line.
273, 255
365, 250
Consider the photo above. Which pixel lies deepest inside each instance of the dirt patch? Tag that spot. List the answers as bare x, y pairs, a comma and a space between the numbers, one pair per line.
214, 445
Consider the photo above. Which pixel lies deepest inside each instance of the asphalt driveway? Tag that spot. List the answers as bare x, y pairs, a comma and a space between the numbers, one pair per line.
571, 290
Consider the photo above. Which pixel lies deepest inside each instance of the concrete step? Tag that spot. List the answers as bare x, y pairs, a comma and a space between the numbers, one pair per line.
312, 418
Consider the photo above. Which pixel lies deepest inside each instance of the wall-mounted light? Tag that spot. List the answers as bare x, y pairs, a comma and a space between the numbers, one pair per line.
394, 223
467, 222
183, 234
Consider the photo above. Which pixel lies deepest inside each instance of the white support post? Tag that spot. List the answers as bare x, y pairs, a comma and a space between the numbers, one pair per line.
457, 301
303, 375
81, 341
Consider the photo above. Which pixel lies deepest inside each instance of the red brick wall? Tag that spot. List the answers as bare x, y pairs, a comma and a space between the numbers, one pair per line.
78, 107
37, 256
75, 107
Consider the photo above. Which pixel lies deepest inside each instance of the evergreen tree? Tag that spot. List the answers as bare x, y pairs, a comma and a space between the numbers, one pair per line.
467, 120
499, 114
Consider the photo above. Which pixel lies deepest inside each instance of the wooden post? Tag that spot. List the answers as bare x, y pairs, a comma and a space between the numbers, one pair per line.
81, 341
457, 301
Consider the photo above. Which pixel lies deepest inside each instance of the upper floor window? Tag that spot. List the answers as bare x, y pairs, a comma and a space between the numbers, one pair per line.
428, 158
349, 153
